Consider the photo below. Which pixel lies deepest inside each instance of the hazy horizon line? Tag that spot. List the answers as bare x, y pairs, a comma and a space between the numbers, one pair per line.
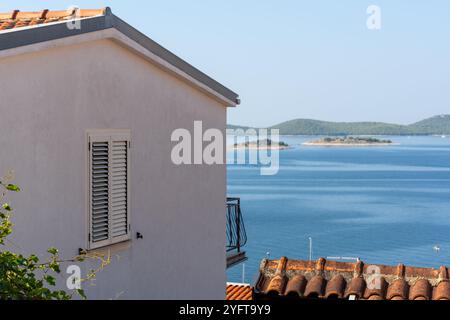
361, 121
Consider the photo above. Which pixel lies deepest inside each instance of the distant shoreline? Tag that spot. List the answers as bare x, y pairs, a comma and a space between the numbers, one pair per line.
324, 144
265, 144
349, 142
231, 147
438, 125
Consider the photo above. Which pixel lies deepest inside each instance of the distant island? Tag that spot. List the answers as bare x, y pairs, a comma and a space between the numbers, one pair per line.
438, 125
348, 141
265, 144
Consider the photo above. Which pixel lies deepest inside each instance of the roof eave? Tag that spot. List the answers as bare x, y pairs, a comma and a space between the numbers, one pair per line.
42, 33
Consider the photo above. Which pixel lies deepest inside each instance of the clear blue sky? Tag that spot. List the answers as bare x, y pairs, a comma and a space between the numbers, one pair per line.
304, 59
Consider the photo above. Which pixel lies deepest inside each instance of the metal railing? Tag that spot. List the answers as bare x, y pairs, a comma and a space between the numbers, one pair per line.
236, 235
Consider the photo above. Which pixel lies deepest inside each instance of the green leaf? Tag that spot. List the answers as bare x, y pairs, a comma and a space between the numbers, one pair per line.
52, 251
33, 258
55, 267
81, 293
12, 187
6, 207
50, 280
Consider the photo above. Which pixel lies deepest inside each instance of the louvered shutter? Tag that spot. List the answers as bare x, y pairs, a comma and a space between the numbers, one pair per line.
100, 195
120, 187
109, 188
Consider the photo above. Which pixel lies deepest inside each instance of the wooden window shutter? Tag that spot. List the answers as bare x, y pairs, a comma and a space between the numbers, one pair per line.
109, 188
119, 175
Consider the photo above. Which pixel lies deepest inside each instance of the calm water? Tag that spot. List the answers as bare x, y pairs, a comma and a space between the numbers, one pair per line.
383, 204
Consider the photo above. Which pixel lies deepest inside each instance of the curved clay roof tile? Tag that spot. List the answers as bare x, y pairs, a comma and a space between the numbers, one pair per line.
315, 287
442, 291
443, 273
356, 287
281, 268
320, 264
378, 288
358, 269
401, 269
398, 290
421, 290
336, 287
276, 285
296, 286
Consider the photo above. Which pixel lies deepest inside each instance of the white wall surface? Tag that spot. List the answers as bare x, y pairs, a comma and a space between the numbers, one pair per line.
48, 99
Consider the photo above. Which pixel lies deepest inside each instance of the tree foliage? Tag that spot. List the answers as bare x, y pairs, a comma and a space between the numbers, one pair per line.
26, 277
437, 125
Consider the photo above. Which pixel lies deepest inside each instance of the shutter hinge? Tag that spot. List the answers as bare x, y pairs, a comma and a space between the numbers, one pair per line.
89, 146
89, 237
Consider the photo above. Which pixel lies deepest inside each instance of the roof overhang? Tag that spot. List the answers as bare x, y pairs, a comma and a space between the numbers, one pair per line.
109, 26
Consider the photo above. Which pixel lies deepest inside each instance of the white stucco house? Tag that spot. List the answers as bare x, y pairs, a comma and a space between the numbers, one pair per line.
86, 116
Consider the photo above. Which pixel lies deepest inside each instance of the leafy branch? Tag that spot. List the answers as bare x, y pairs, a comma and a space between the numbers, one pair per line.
25, 277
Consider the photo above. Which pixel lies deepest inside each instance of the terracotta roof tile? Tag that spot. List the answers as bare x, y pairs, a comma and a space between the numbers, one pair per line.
296, 286
376, 289
17, 19
442, 291
336, 287
237, 291
398, 290
276, 285
315, 287
356, 287
421, 290
342, 280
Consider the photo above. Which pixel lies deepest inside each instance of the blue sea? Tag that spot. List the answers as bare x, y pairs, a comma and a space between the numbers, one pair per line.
383, 204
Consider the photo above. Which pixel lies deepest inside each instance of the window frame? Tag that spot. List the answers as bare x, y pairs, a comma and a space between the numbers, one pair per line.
109, 135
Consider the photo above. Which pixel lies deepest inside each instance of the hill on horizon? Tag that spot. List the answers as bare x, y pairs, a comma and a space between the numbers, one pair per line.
439, 125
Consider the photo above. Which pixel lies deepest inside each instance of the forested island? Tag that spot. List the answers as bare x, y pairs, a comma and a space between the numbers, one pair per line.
265, 144
348, 141
437, 125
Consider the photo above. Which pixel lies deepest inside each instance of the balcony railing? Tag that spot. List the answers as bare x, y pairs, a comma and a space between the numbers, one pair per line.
236, 235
